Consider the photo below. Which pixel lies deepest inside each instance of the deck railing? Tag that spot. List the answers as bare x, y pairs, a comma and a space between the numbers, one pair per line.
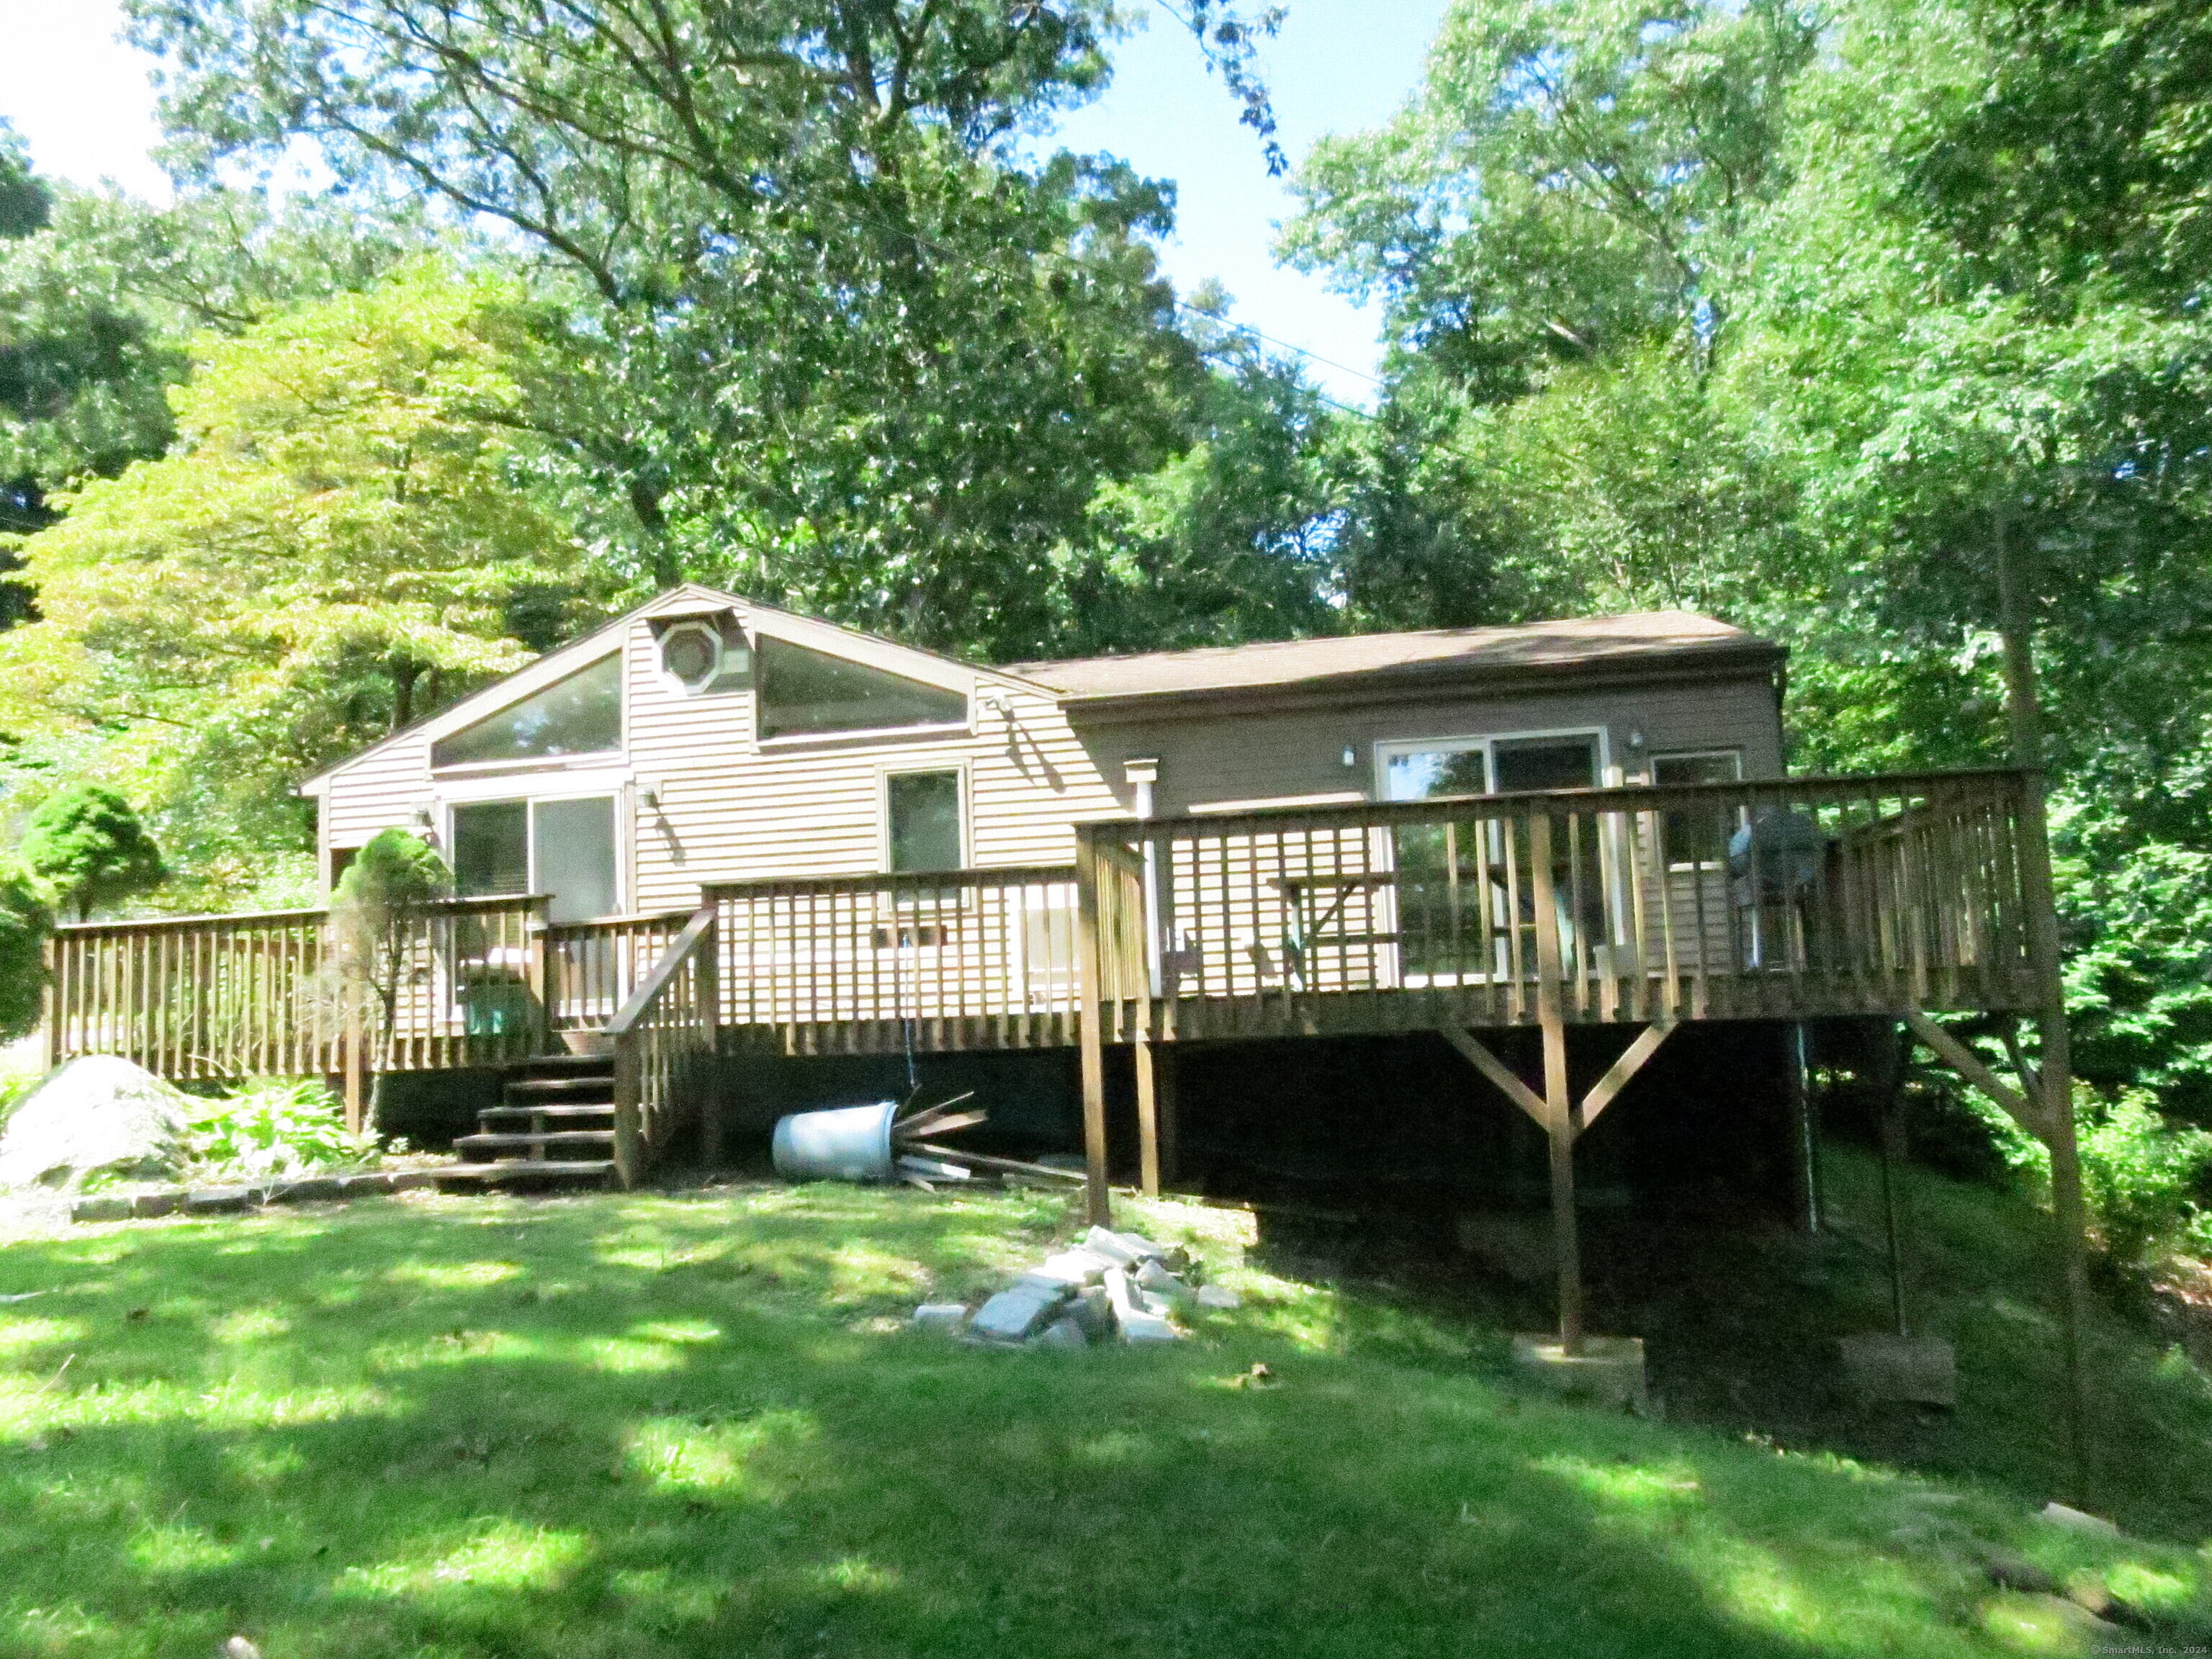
665, 1035
858, 964
209, 998
592, 967
197, 997
1786, 899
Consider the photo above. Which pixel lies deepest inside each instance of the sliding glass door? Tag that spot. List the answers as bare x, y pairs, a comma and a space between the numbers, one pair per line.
565, 849
1454, 886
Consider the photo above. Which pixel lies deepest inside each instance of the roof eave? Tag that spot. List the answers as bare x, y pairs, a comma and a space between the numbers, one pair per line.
1702, 660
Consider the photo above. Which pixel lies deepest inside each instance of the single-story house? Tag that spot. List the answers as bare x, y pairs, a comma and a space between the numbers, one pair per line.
713, 832
705, 738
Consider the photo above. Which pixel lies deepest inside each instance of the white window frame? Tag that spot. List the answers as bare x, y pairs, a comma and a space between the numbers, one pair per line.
866, 736
460, 771
1651, 776
683, 689
1391, 964
1488, 742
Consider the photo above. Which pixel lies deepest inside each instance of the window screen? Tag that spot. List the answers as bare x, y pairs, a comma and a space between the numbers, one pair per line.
579, 716
1545, 763
491, 849
576, 858
1695, 838
925, 820
803, 690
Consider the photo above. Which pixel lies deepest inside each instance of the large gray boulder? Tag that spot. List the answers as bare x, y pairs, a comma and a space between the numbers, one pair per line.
99, 1115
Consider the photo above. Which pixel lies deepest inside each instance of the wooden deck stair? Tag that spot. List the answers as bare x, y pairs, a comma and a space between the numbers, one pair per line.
555, 1121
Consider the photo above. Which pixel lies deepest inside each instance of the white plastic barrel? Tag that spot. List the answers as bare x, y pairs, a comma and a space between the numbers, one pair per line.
845, 1143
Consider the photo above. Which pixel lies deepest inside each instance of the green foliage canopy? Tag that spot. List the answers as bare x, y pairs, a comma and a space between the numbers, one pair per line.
343, 539
828, 335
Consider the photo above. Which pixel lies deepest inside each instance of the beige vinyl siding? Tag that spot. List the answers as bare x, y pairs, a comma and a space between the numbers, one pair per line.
731, 810
378, 791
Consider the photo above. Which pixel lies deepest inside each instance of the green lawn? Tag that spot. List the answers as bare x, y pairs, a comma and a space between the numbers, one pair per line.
640, 1425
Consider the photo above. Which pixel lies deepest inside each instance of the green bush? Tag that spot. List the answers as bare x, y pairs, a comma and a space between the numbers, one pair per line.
2143, 1176
87, 845
276, 1126
24, 923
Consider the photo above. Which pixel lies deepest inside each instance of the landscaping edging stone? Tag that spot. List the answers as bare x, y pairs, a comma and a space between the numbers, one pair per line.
236, 1201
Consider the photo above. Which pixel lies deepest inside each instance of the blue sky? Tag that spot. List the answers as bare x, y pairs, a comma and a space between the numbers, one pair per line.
82, 102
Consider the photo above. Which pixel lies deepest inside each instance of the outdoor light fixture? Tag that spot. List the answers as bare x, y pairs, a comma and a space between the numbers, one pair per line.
1636, 738
1350, 755
425, 814
649, 791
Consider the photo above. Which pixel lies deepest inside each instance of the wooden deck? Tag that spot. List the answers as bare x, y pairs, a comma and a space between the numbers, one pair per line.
1796, 900
1856, 897
1803, 899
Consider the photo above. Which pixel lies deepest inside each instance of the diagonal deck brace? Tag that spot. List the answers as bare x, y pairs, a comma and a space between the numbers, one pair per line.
1478, 1055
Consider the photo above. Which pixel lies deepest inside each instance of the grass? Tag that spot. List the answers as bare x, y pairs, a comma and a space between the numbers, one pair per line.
644, 1425
1742, 1326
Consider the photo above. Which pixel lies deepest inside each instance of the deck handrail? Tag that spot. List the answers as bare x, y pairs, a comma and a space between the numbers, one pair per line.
1373, 914
1606, 798
980, 875
1854, 895
151, 924
664, 1036
657, 978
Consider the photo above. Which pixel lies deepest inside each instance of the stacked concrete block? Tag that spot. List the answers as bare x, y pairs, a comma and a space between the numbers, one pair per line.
1106, 1285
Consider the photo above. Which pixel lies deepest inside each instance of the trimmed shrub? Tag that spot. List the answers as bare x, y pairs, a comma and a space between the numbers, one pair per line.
88, 847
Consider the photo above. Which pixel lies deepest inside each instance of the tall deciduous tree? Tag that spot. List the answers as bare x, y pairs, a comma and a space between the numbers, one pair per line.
830, 336
99, 296
1559, 225
343, 538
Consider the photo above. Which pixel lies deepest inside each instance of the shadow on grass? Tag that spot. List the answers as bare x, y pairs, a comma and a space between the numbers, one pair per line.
630, 1425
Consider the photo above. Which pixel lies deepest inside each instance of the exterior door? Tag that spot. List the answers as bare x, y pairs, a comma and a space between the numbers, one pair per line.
564, 850
1451, 892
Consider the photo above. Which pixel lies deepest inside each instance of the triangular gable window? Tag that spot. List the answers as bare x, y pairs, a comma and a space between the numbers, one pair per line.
579, 715
804, 691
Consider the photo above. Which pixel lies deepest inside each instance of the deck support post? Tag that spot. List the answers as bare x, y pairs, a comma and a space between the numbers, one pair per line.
1155, 1115
1560, 1114
1097, 1199
629, 1121
1566, 1239
1804, 1150
50, 1008
2054, 1063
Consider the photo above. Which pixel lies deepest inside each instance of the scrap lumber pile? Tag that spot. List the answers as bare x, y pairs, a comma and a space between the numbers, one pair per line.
1106, 1286
922, 1160
887, 1142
